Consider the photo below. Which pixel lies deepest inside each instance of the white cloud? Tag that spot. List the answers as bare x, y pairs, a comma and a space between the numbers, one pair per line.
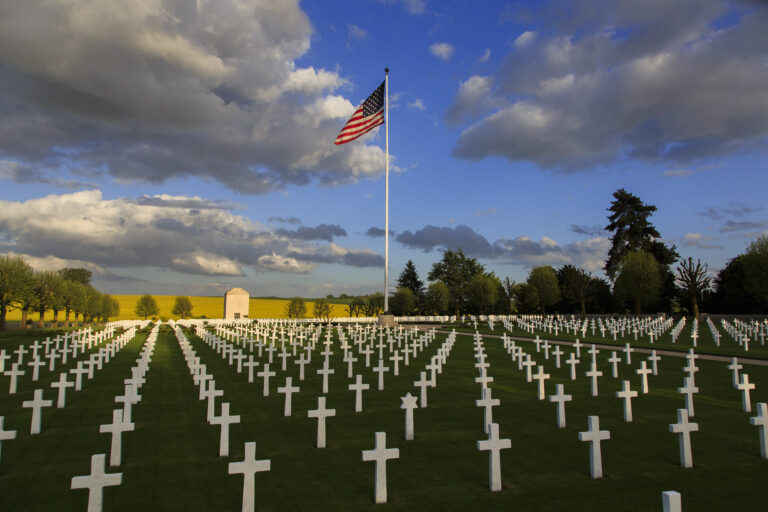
416, 104
355, 33
485, 56
442, 51
585, 95
472, 99
169, 89
525, 39
181, 233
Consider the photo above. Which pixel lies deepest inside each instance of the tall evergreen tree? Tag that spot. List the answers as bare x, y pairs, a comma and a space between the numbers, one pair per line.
409, 278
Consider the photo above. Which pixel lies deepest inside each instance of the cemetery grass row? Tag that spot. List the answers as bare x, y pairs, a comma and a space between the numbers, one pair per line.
171, 461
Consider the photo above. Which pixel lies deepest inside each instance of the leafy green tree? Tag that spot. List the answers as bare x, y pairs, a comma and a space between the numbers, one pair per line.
356, 306
146, 306
15, 279
543, 280
574, 288
296, 308
409, 278
374, 304
692, 278
110, 307
182, 307
71, 294
47, 293
742, 286
93, 304
482, 292
79, 275
322, 309
402, 301
456, 270
437, 300
639, 280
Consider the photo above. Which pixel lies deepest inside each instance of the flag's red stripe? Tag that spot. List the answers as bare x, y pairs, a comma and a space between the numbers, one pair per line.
351, 129
347, 136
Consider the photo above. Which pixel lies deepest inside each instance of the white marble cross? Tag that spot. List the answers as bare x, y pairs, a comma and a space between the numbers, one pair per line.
116, 428
5, 434
325, 371
396, 358
572, 362
265, 374
410, 403
358, 387
760, 421
493, 445
380, 369
594, 435
688, 390
95, 482
628, 353
62, 384
37, 405
654, 359
557, 353
626, 395
210, 395
14, 373
614, 360
248, 468
643, 372
224, 421
321, 413
289, 389
745, 387
250, 364
541, 377
560, 397
487, 403
593, 374
423, 384
735, 367
684, 428
381, 454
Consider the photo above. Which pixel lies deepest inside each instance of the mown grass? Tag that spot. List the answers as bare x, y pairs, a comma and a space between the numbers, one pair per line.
171, 460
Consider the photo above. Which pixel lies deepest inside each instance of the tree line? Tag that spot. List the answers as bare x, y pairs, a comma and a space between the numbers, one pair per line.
640, 275
68, 290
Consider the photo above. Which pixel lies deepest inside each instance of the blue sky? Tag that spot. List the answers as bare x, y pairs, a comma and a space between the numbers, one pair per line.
184, 147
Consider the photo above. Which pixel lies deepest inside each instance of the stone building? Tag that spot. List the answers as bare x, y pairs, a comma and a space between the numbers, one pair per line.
236, 302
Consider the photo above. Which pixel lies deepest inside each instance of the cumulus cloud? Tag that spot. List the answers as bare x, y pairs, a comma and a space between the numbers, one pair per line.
171, 89
473, 99
319, 232
443, 51
525, 39
168, 232
376, 232
589, 254
485, 56
289, 220
668, 82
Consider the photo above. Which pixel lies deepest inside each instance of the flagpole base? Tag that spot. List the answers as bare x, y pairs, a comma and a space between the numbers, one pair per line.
387, 319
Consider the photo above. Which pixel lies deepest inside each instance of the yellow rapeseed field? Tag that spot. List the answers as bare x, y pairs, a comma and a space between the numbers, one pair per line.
207, 307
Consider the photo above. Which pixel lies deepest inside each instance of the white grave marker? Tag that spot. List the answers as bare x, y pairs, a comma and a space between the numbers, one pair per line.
95, 482
381, 454
248, 468
594, 435
494, 445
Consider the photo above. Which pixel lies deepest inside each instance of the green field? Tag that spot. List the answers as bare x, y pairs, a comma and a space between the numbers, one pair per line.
170, 462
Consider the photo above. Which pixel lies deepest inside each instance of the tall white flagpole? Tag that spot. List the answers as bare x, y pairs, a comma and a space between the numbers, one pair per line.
386, 194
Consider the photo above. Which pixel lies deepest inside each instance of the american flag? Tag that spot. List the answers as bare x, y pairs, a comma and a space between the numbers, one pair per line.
368, 116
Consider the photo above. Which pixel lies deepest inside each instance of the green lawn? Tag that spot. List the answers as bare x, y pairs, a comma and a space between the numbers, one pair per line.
170, 462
